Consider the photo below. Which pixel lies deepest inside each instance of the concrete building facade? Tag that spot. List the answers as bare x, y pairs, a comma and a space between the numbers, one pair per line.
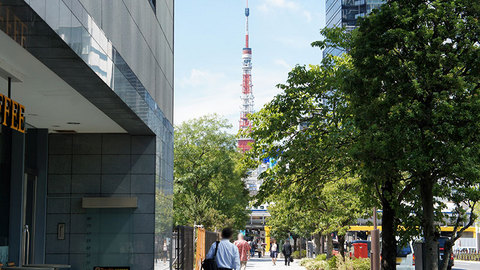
86, 136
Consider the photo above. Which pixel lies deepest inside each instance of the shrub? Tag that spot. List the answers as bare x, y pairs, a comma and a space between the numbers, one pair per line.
298, 255
332, 263
311, 264
321, 257
335, 263
352, 263
304, 262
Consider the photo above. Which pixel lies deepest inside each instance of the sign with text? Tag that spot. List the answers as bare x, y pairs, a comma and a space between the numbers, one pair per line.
111, 268
12, 25
12, 114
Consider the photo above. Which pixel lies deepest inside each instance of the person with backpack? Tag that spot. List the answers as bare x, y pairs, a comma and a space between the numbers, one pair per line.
287, 252
223, 255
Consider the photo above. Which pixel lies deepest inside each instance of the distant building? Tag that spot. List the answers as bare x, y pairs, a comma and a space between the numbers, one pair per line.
344, 13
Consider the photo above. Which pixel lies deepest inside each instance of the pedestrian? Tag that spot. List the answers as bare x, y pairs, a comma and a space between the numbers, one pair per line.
243, 250
253, 246
165, 251
259, 248
227, 257
287, 252
274, 251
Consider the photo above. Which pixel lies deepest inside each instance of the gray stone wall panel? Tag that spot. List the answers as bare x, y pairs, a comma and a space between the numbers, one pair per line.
101, 236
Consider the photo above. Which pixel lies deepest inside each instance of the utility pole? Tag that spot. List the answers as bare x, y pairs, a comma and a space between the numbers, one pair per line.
375, 257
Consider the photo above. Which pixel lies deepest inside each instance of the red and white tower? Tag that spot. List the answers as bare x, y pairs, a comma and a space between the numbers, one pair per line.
247, 95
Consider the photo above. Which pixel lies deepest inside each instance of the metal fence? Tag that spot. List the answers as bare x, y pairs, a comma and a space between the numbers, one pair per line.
210, 238
184, 248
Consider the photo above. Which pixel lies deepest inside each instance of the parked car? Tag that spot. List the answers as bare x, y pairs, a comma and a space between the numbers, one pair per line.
441, 248
405, 257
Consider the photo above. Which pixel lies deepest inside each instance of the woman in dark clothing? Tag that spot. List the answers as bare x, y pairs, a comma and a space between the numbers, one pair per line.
287, 252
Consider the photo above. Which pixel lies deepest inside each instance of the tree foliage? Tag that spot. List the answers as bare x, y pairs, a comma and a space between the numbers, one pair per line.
400, 110
208, 174
307, 130
414, 92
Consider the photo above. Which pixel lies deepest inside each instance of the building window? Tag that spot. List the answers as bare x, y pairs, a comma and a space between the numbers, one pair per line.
153, 3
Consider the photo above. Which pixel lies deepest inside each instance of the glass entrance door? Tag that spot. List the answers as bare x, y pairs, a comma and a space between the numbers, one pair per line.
29, 210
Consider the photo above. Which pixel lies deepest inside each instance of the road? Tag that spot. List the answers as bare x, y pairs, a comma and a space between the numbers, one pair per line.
464, 265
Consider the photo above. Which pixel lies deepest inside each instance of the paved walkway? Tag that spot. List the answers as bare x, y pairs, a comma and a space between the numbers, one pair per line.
265, 263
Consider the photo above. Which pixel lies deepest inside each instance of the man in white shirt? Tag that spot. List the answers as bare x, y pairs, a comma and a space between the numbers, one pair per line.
227, 257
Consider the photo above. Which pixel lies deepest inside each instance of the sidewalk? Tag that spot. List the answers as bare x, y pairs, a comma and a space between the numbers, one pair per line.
265, 263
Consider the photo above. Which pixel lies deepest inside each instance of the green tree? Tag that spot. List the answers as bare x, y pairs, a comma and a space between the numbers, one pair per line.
306, 129
414, 93
208, 175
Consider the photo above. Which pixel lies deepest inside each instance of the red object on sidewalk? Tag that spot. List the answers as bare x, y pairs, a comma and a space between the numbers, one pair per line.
360, 250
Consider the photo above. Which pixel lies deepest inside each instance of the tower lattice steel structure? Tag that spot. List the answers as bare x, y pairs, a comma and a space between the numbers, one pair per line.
247, 94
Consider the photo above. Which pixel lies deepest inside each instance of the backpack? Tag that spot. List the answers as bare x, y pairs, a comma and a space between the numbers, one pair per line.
211, 264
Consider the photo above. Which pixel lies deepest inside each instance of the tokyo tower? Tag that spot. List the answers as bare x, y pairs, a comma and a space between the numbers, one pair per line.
247, 95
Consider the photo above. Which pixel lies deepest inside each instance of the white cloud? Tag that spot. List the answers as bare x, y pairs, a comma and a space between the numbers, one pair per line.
269, 5
281, 4
282, 63
307, 15
206, 92
200, 77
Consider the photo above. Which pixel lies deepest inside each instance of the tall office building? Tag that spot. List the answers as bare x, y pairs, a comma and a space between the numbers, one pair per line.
344, 13
86, 133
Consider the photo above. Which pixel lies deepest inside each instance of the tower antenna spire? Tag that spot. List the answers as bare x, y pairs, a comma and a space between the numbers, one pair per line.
247, 13
247, 94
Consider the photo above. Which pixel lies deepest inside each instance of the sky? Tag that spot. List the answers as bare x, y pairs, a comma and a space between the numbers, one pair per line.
209, 37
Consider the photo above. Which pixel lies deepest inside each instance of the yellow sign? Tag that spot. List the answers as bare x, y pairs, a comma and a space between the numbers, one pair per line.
267, 238
12, 114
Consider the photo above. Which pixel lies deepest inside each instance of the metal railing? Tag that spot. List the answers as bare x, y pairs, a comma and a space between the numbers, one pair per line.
184, 249
187, 253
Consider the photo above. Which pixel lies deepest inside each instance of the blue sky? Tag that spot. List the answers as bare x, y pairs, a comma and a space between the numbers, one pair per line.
209, 37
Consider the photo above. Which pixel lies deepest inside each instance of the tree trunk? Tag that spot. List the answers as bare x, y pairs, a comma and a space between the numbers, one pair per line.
322, 244
341, 245
295, 243
447, 253
329, 245
389, 231
300, 247
429, 231
317, 239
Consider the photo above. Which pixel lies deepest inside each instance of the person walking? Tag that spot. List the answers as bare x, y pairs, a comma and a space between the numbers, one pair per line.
274, 252
253, 246
227, 257
287, 252
259, 248
243, 250
165, 251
